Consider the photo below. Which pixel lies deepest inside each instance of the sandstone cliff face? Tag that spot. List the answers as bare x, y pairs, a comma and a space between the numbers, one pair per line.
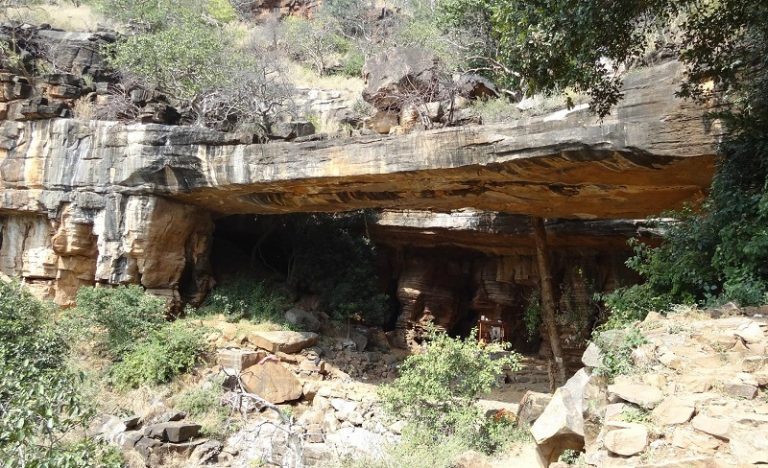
96, 201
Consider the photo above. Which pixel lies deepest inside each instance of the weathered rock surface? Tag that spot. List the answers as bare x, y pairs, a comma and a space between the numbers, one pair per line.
700, 421
561, 425
283, 341
272, 381
133, 203
627, 441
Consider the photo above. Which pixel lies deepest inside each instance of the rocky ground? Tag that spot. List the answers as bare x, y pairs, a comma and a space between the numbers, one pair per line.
695, 397
316, 404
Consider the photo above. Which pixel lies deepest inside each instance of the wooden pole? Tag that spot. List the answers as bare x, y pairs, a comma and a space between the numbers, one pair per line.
548, 297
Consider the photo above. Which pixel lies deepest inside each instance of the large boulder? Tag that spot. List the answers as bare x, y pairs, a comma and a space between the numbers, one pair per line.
561, 426
283, 341
396, 75
272, 381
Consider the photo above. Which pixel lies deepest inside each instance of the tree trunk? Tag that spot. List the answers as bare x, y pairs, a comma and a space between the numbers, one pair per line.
548, 297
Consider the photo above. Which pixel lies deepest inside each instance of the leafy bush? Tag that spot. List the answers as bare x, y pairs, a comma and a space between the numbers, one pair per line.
616, 347
246, 298
204, 405
352, 65
633, 303
335, 261
39, 398
126, 313
166, 353
314, 42
437, 389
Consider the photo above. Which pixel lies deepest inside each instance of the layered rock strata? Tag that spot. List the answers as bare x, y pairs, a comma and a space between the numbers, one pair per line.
98, 201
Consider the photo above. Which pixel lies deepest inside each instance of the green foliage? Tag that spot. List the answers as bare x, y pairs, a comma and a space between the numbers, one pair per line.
39, 398
126, 314
635, 414
532, 314
353, 63
182, 60
204, 405
572, 457
616, 347
315, 43
246, 298
437, 390
633, 303
332, 259
166, 353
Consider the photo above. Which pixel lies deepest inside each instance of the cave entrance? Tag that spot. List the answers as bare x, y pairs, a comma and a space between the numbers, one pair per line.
321, 262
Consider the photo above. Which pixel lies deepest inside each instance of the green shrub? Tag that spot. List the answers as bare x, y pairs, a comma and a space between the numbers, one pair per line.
334, 260
39, 397
352, 65
246, 298
632, 303
437, 389
616, 347
204, 405
127, 314
166, 353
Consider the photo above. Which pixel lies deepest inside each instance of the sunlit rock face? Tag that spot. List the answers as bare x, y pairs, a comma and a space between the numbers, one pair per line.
96, 201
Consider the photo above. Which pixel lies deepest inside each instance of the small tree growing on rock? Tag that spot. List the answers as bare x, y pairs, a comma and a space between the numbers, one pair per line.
438, 388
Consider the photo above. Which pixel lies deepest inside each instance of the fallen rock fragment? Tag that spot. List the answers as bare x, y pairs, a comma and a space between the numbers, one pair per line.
176, 431
646, 396
673, 410
713, 426
272, 381
750, 332
283, 341
628, 441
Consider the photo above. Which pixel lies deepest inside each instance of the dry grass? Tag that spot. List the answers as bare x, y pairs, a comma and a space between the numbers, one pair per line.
64, 16
304, 77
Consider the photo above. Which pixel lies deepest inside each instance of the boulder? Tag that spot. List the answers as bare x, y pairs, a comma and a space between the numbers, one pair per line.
205, 453
272, 381
749, 444
561, 425
291, 130
592, 356
471, 459
686, 438
750, 332
175, 431
395, 75
673, 410
283, 341
234, 360
531, 406
713, 426
302, 319
646, 396
473, 86
738, 388
627, 441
